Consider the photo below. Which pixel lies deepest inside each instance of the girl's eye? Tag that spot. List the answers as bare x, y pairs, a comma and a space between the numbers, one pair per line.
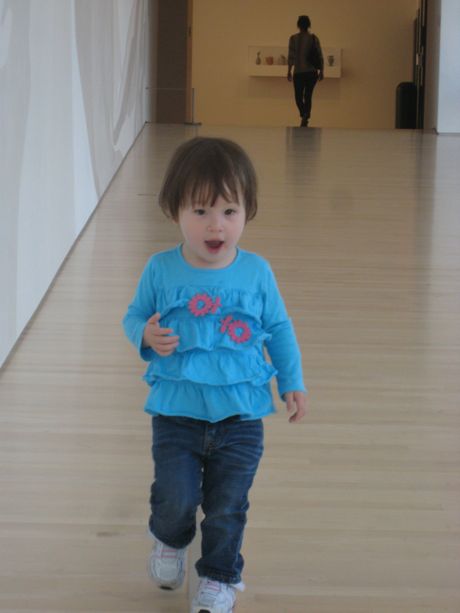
199, 212
230, 212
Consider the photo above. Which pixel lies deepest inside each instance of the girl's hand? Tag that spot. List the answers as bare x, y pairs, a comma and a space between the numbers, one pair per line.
296, 403
158, 338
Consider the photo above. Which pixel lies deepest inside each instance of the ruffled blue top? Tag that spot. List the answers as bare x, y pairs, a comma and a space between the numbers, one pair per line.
225, 319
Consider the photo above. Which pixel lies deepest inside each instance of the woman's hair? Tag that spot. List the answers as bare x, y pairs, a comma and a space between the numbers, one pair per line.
303, 22
204, 168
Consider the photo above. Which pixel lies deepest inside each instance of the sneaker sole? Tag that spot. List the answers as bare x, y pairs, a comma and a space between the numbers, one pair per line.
201, 610
168, 588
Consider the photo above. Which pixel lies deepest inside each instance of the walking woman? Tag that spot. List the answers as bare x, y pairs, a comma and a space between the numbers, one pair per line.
306, 57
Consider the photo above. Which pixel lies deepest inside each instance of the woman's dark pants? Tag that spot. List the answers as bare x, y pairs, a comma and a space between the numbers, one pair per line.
304, 84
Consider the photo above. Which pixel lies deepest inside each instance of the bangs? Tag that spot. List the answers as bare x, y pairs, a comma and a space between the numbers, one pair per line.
206, 190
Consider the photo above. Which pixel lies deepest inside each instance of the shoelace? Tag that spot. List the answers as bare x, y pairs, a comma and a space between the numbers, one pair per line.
168, 553
210, 589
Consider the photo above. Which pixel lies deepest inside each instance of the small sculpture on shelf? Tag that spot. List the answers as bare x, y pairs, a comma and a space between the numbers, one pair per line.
282, 60
258, 59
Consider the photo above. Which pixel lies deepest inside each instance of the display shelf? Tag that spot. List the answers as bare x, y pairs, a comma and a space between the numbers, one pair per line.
274, 60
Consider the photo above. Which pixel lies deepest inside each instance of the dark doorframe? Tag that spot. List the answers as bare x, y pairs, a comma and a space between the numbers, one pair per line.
419, 61
172, 69
189, 102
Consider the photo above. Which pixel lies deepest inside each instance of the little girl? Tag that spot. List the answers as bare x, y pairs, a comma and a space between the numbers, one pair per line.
201, 317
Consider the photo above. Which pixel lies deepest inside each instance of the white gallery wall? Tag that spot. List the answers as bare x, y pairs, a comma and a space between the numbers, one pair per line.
448, 106
442, 85
433, 38
73, 77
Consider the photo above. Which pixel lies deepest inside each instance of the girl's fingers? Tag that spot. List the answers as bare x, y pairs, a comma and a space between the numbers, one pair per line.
154, 319
297, 416
166, 340
165, 350
289, 402
300, 411
157, 331
160, 338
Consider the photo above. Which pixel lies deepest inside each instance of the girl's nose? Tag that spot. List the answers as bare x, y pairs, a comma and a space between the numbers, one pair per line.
214, 224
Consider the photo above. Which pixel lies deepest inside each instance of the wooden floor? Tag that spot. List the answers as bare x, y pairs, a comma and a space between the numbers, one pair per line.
356, 510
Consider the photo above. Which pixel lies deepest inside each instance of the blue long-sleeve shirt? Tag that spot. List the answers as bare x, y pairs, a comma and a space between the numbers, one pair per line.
224, 319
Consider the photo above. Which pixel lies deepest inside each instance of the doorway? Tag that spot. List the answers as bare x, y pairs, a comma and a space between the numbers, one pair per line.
174, 62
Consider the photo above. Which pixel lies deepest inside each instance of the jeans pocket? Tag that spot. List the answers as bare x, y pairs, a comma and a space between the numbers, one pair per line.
246, 440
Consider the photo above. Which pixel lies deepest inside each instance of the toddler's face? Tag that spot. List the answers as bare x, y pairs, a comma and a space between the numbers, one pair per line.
211, 233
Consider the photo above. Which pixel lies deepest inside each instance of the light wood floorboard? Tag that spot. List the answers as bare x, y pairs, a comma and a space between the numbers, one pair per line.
356, 510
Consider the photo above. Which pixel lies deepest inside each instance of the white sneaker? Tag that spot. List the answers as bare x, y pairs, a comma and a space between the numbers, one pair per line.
215, 597
167, 566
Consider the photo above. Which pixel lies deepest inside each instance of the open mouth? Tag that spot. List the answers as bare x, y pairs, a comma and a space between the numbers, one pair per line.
214, 246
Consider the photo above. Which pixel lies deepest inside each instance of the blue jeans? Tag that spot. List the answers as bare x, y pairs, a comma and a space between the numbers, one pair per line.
212, 464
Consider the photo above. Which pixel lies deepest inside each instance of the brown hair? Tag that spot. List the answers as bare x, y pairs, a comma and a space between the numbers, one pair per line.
204, 168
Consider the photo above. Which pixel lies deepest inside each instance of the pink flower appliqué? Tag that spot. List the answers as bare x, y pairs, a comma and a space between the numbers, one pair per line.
232, 327
202, 304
